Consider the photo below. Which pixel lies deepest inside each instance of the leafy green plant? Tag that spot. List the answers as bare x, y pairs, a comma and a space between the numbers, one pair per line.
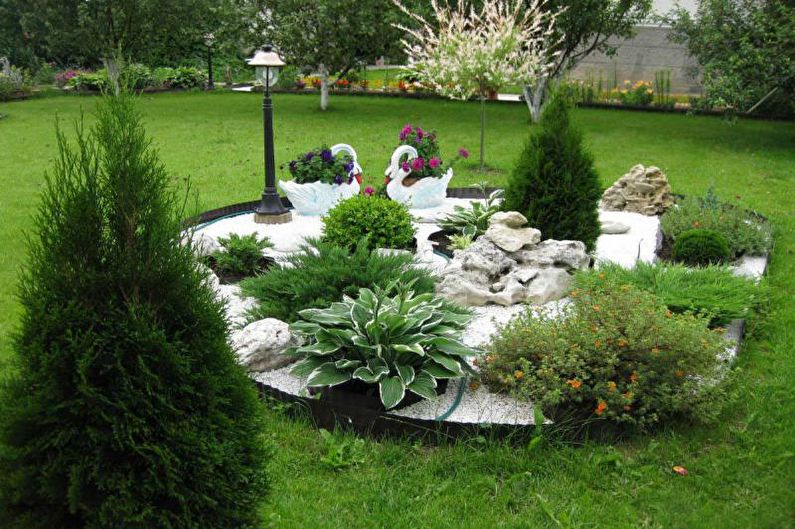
125, 373
383, 222
745, 232
473, 219
320, 165
555, 184
461, 242
95, 81
241, 255
13, 80
701, 247
322, 273
714, 291
137, 76
341, 452
615, 354
181, 77
401, 341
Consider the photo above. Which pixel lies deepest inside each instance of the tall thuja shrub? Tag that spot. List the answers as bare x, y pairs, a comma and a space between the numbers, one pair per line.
554, 183
127, 408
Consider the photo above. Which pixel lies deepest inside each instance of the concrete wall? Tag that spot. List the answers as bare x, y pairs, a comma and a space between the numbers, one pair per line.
640, 58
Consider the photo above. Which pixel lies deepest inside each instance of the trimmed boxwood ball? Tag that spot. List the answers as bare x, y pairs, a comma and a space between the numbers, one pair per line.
555, 184
383, 222
127, 407
701, 248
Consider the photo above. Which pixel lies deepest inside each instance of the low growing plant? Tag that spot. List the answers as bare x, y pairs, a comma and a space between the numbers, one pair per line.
745, 231
383, 222
461, 242
241, 255
473, 219
714, 291
390, 337
615, 354
320, 165
322, 273
700, 247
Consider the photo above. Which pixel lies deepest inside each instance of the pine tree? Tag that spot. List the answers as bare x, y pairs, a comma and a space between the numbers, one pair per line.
127, 408
554, 183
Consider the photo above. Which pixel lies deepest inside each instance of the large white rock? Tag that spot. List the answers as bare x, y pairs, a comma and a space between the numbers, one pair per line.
567, 254
483, 255
512, 219
204, 244
642, 190
237, 305
260, 344
550, 284
512, 239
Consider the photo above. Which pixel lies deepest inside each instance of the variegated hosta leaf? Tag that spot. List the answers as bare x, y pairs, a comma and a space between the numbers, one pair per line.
449, 363
453, 318
305, 328
406, 373
323, 317
365, 374
378, 366
414, 349
423, 385
450, 346
328, 375
347, 364
319, 348
437, 371
303, 368
392, 391
343, 337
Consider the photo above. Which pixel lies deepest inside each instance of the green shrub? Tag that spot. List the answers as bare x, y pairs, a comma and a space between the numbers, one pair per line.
13, 80
614, 354
240, 255
323, 273
700, 247
390, 337
137, 77
714, 291
555, 184
187, 77
473, 220
383, 222
95, 81
745, 232
127, 407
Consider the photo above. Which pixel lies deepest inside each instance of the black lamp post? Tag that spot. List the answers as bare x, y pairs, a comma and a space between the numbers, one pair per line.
209, 39
270, 209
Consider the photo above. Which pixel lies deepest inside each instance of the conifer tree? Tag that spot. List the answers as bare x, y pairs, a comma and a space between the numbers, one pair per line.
127, 408
554, 183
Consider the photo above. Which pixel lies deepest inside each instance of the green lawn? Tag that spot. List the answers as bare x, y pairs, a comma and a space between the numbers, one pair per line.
741, 470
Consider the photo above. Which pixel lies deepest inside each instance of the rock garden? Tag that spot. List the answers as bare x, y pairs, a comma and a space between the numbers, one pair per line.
422, 307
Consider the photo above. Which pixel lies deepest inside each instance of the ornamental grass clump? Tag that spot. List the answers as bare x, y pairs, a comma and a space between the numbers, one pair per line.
240, 254
614, 354
384, 223
555, 184
322, 273
392, 337
127, 407
746, 232
320, 165
714, 291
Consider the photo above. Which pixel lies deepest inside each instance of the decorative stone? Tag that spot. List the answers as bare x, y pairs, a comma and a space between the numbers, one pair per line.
512, 239
512, 219
237, 305
260, 344
203, 244
550, 284
484, 256
570, 255
610, 227
642, 190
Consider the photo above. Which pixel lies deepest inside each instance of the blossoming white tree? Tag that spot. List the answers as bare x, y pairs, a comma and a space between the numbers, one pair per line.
467, 53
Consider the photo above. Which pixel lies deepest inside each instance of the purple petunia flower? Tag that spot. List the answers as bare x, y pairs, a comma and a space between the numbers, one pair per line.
293, 165
463, 153
434, 162
338, 179
327, 156
417, 164
406, 167
349, 167
308, 156
350, 180
369, 191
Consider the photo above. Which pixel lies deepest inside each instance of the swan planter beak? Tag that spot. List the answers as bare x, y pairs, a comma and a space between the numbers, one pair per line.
317, 198
424, 193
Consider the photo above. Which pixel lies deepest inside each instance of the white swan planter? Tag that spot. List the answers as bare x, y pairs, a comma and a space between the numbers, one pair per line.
425, 193
317, 198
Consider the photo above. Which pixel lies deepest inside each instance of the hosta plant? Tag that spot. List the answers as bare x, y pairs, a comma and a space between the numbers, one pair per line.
389, 337
474, 219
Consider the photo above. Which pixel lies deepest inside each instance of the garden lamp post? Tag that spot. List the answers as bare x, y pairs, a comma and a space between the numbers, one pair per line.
209, 39
270, 209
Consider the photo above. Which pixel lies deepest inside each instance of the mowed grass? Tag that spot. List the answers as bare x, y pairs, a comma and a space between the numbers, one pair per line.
740, 470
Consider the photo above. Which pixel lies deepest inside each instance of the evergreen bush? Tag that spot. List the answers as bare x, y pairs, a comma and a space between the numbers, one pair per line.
383, 222
701, 247
127, 408
554, 183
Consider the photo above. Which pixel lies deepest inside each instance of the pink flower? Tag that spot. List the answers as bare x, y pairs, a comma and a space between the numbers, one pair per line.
406, 167
434, 162
369, 191
404, 133
463, 153
420, 134
417, 164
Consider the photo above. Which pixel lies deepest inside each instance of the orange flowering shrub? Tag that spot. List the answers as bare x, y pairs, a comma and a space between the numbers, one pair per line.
630, 362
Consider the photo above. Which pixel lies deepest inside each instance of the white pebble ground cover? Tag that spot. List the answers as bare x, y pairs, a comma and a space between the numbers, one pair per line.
461, 403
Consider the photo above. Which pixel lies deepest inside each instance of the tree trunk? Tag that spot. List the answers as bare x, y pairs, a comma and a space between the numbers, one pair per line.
323, 87
482, 131
113, 67
535, 96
